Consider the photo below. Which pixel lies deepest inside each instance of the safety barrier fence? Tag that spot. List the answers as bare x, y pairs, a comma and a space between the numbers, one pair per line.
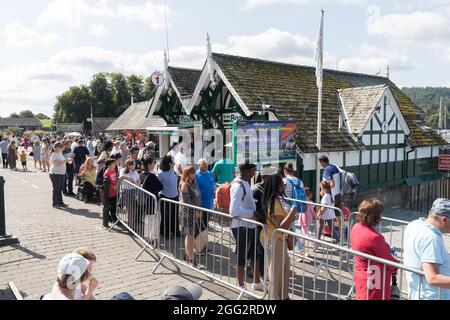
137, 211
294, 279
206, 244
203, 246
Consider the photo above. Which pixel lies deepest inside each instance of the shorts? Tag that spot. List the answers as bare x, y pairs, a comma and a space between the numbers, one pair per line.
24, 163
245, 245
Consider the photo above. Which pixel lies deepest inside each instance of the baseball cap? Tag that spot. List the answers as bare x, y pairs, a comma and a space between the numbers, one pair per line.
191, 292
441, 207
72, 264
151, 144
122, 296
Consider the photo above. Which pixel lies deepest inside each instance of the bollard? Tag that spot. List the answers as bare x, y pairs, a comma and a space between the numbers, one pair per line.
106, 202
4, 238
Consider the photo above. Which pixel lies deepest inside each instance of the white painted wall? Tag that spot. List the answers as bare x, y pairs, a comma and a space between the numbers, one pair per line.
384, 139
384, 154
366, 139
435, 151
309, 162
400, 154
352, 158
375, 156
391, 155
401, 138
336, 158
376, 139
365, 157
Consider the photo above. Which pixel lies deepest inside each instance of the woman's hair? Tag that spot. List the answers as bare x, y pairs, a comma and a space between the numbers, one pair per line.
67, 282
88, 161
127, 164
165, 163
86, 253
308, 191
148, 161
271, 193
289, 168
370, 211
58, 145
108, 146
185, 175
325, 186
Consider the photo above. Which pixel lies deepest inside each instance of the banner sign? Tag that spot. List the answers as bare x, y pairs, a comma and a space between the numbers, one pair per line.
264, 142
444, 162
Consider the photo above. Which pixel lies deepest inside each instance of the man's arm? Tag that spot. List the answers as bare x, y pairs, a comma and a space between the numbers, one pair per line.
433, 277
332, 183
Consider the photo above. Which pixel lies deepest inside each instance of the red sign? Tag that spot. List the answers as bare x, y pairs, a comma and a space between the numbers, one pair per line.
444, 162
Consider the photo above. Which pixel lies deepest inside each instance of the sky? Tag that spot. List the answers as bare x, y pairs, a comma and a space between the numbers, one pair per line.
48, 46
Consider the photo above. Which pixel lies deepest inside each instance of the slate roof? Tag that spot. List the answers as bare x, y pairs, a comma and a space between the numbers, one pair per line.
292, 92
134, 118
359, 104
101, 124
185, 79
20, 122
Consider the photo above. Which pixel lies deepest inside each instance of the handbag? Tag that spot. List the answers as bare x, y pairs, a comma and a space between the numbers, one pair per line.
201, 239
31, 153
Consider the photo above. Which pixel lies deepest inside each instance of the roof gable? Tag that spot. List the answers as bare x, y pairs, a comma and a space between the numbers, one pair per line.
292, 92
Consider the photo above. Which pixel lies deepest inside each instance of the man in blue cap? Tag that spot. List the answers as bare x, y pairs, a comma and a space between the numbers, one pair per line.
425, 250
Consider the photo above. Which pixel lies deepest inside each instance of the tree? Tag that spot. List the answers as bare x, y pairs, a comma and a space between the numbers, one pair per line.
74, 105
149, 89
14, 115
102, 97
136, 87
121, 95
26, 114
42, 116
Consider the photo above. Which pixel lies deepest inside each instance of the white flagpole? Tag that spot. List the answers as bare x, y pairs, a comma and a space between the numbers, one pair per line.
440, 115
319, 76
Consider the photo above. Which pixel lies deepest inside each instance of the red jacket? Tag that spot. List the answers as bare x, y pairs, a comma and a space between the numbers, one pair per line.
367, 240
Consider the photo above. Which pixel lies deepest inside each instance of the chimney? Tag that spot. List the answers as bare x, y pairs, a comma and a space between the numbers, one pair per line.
388, 72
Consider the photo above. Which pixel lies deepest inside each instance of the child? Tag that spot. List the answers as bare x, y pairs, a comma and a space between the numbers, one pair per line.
23, 159
306, 219
325, 215
111, 174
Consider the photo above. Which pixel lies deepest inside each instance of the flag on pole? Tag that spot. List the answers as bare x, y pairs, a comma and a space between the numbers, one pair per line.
319, 54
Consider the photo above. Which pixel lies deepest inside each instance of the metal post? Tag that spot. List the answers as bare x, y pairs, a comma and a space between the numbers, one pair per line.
106, 202
4, 238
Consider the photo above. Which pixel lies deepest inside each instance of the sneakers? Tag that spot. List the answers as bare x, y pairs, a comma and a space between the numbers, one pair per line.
258, 286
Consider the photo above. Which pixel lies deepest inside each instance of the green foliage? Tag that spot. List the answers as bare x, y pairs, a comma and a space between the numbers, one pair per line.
46, 123
26, 114
428, 100
42, 116
109, 93
14, 115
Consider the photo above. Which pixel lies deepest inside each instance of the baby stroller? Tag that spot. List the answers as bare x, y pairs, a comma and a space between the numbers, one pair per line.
87, 192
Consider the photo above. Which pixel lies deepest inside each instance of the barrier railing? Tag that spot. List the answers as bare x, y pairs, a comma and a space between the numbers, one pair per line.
203, 246
299, 283
137, 211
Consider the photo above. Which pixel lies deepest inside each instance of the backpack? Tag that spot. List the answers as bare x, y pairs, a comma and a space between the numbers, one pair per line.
298, 194
223, 195
349, 182
99, 177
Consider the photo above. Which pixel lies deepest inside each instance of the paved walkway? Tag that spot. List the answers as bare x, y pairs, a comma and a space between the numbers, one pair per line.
46, 234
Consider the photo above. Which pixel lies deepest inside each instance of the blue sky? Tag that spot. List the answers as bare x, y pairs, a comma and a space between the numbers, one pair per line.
47, 46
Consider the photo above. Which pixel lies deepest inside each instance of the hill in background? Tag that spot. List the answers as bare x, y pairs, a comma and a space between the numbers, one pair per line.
428, 99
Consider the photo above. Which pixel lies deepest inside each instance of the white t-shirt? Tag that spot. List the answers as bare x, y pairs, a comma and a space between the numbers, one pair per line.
329, 213
132, 175
54, 168
180, 160
73, 146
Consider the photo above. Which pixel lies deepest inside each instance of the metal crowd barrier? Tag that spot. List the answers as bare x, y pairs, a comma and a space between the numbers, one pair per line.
215, 252
298, 281
137, 210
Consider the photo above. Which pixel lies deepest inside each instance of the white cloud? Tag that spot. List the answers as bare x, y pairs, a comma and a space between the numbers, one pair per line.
98, 29
369, 59
17, 35
419, 27
251, 4
72, 13
39, 84
153, 15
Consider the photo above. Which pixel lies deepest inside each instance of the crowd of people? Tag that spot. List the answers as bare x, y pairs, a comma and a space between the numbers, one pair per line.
266, 199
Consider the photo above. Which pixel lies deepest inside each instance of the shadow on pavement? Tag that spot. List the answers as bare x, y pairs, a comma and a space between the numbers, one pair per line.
82, 212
